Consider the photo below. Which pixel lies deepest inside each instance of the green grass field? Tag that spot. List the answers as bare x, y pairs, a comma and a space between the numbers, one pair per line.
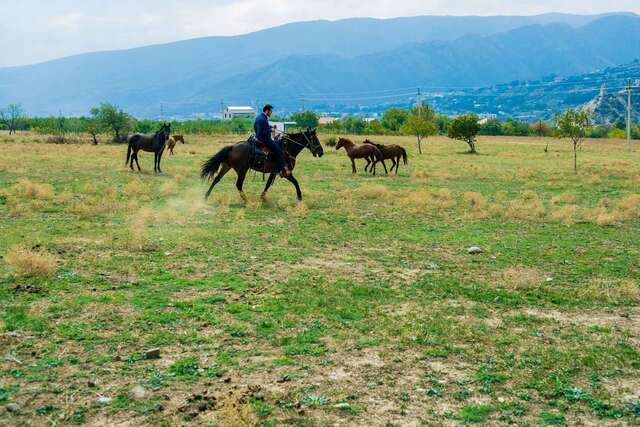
358, 306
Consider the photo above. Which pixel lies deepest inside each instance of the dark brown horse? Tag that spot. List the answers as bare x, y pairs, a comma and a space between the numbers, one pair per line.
238, 157
153, 143
368, 152
172, 141
391, 152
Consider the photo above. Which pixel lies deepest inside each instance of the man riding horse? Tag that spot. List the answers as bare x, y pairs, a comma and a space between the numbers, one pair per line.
263, 134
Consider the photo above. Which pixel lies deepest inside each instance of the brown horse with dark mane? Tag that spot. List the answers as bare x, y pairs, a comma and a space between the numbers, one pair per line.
369, 152
172, 141
152, 143
241, 157
391, 152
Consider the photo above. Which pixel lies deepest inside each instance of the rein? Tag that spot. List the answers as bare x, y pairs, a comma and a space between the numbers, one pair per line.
304, 134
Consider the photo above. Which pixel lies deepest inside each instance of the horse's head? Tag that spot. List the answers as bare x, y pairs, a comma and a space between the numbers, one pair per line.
313, 143
342, 142
165, 130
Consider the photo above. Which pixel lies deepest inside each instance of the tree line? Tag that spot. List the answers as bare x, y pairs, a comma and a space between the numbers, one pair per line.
107, 122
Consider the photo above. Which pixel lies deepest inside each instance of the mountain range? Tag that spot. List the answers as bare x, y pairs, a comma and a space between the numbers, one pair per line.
324, 61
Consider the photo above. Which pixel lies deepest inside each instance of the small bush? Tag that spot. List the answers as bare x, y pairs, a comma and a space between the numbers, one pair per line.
28, 262
30, 190
331, 142
565, 214
373, 192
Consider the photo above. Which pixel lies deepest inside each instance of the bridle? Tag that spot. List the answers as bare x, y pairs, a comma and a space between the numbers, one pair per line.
304, 134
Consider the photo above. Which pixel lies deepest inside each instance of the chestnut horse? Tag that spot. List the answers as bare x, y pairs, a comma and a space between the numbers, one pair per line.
369, 152
172, 141
391, 152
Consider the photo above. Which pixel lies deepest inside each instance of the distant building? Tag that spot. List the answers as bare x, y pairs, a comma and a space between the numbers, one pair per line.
233, 112
326, 120
283, 126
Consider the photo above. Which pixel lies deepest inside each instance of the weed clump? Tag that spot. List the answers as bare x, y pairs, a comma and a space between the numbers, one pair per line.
27, 189
31, 262
373, 192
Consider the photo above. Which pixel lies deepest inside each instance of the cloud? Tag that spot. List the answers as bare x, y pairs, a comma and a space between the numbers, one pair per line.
33, 31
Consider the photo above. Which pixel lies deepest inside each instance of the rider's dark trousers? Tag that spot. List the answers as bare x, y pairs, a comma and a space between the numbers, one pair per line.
277, 151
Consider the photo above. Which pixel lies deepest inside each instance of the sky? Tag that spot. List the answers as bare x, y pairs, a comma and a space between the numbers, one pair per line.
34, 31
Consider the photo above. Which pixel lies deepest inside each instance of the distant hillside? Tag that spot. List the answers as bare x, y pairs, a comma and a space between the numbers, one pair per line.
544, 98
521, 54
611, 106
312, 57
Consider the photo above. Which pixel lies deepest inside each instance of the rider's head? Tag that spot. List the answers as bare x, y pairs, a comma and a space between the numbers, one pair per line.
267, 110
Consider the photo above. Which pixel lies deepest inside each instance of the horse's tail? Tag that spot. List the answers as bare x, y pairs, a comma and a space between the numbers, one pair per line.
404, 156
211, 166
379, 155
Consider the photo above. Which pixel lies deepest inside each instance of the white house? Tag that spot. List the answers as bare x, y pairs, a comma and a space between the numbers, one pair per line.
238, 111
283, 126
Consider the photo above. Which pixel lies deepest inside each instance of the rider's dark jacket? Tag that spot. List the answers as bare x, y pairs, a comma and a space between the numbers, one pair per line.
262, 128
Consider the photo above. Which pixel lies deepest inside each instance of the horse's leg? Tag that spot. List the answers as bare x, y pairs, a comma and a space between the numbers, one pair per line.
393, 164
353, 165
240, 182
160, 160
272, 178
294, 181
366, 168
216, 180
373, 167
137, 162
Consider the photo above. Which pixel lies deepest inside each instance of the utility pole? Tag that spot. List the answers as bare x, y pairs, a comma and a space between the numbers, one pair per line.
302, 100
419, 100
629, 115
161, 111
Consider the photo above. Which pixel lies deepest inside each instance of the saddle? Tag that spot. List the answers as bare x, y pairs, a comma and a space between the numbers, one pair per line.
260, 153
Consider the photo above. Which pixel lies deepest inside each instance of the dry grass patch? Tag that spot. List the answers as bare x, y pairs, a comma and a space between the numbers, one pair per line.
138, 229
418, 201
373, 191
527, 207
169, 187
566, 214
135, 187
477, 205
564, 199
616, 291
520, 278
29, 262
27, 189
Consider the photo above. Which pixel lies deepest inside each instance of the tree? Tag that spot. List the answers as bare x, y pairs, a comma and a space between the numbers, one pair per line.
114, 119
515, 128
421, 123
573, 124
306, 119
374, 127
491, 127
94, 127
354, 125
465, 128
541, 129
394, 118
10, 117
